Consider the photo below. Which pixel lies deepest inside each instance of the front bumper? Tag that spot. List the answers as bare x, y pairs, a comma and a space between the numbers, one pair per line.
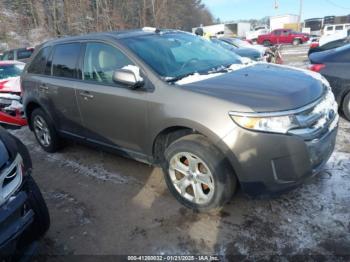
267, 164
14, 220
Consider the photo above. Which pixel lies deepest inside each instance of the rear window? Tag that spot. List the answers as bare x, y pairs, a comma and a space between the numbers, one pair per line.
24, 54
8, 56
64, 61
12, 70
38, 64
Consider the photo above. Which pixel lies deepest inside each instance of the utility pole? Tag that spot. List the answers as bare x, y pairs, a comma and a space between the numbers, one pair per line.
300, 13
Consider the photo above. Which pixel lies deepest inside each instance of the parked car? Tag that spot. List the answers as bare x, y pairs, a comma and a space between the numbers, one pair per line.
239, 43
334, 65
329, 42
243, 52
11, 109
283, 36
19, 54
254, 34
335, 29
24, 216
172, 99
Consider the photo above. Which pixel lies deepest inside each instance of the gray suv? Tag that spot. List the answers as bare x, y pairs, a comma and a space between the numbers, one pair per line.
173, 99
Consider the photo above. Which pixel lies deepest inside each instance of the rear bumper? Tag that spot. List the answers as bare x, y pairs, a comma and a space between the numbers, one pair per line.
14, 220
268, 164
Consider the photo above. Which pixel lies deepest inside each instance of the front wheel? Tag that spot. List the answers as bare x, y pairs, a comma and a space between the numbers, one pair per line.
346, 106
197, 174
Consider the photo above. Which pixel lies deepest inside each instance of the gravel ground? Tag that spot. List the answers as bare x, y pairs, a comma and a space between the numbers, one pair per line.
102, 204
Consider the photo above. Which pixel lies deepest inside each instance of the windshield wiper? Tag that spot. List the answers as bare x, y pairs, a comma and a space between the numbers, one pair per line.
177, 78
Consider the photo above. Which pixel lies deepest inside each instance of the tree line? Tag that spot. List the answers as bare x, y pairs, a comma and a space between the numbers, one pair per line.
71, 17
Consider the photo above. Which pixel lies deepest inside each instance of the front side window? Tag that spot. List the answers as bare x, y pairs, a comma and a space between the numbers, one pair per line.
329, 28
37, 66
64, 61
101, 61
277, 32
174, 54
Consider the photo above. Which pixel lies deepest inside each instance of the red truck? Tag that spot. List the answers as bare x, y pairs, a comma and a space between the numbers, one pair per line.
283, 36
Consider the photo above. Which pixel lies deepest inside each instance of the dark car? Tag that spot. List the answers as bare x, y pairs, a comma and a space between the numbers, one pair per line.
314, 47
173, 99
19, 54
250, 53
334, 65
24, 217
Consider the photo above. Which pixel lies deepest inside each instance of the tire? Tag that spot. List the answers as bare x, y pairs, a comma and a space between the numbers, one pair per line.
266, 43
210, 166
346, 106
296, 42
52, 144
41, 221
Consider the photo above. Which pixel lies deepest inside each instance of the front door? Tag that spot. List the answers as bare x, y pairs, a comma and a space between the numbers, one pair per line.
112, 114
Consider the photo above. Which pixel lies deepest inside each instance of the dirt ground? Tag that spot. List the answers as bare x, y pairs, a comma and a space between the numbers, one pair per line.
103, 204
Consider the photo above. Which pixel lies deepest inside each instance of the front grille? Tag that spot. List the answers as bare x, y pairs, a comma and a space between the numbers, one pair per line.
318, 120
10, 179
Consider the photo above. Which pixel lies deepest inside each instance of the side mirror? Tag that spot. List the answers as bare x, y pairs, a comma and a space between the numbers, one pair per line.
129, 76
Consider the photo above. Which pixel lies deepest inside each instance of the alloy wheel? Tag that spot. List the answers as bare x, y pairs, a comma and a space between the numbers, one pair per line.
191, 178
42, 131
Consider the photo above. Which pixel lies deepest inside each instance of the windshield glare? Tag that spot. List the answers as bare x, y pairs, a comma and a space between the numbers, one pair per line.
7, 71
173, 55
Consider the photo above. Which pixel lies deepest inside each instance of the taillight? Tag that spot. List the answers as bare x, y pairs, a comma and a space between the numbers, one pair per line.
314, 44
316, 67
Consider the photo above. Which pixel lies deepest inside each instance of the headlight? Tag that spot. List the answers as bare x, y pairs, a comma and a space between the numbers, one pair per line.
276, 124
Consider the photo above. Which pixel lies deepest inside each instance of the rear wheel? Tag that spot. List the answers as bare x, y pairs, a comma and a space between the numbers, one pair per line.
44, 131
346, 106
267, 43
296, 42
197, 174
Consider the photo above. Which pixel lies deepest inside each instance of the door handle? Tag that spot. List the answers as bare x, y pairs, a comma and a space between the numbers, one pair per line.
86, 95
43, 87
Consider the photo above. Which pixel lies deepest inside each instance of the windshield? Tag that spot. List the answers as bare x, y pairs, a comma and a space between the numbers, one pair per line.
175, 54
13, 70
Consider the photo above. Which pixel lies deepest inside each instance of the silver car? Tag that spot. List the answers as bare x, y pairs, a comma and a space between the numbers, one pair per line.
172, 99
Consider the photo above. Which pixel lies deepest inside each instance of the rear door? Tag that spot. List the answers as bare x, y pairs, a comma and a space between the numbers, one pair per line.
57, 87
112, 114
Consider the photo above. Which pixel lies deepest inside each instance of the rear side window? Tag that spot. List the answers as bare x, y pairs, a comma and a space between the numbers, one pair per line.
64, 61
101, 60
339, 27
37, 66
329, 28
24, 54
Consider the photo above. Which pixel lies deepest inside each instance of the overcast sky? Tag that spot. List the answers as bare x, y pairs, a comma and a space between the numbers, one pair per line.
228, 10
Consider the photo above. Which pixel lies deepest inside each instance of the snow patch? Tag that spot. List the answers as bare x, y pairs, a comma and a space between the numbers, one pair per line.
198, 77
10, 96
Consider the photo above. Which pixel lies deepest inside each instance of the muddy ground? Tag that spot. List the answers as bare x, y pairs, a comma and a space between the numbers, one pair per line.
103, 204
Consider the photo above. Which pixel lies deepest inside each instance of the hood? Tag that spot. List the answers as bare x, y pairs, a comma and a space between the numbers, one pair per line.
262, 88
10, 85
